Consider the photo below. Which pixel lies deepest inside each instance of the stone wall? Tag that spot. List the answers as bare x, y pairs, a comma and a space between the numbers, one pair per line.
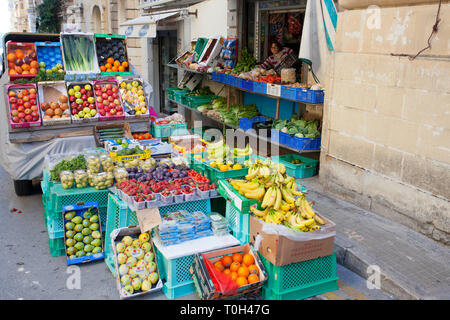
386, 137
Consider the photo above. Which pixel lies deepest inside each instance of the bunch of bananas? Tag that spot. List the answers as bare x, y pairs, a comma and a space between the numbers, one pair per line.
217, 150
281, 202
243, 152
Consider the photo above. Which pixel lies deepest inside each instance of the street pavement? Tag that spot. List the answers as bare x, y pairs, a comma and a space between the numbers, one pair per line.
29, 272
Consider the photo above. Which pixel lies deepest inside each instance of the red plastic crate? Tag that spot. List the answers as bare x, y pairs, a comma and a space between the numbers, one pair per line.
16, 88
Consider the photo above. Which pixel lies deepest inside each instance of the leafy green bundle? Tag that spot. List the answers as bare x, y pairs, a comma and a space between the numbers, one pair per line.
245, 64
71, 165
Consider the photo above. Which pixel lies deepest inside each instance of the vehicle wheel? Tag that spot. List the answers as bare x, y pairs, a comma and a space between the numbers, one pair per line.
23, 187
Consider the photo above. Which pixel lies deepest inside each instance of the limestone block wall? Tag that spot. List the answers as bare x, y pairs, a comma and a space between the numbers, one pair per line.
386, 136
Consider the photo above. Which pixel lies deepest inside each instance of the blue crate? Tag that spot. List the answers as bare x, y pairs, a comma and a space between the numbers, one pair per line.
315, 96
178, 291
247, 84
275, 135
286, 139
49, 53
289, 93
246, 123
175, 272
260, 87
307, 143
302, 94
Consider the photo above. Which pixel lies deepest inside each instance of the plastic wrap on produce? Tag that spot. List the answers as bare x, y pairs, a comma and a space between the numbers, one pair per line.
325, 231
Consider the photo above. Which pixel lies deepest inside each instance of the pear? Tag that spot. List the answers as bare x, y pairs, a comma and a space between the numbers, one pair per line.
96, 242
86, 223
86, 231
77, 220
80, 253
72, 256
87, 240
70, 225
78, 237
125, 280
94, 218
88, 248
71, 251
94, 226
70, 242
146, 285
96, 234
69, 215
78, 228
87, 214
97, 250
70, 234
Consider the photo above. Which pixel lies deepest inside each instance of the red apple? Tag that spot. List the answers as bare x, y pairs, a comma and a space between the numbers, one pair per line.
72, 99
83, 91
74, 111
28, 118
115, 96
102, 113
11, 94
108, 114
119, 108
99, 99
119, 113
104, 96
13, 100
90, 94
33, 101
113, 111
109, 92
13, 106
116, 102
91, 106
115, 89
104, 89
84, 97
34, 114
27, 111
27, 105
20, 102
32, 95
25, 92
98, 93
110, 99
107, 108
108, 86
35, 119
15, 119
21, 108
100, 106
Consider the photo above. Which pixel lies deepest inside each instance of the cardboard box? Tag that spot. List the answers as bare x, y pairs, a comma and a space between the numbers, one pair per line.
212, 50
280, 250
116, 236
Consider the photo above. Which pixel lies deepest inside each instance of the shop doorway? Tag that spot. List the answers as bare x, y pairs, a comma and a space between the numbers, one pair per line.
167, 44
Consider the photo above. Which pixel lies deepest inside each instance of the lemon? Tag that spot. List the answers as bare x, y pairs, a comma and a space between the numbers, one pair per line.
223, 167
213, 164
237, 166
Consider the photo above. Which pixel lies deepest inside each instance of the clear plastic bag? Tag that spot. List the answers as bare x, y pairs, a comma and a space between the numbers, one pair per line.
66, 178
81, 179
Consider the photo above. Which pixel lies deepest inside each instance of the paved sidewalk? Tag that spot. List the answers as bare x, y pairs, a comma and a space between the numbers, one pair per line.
412, 266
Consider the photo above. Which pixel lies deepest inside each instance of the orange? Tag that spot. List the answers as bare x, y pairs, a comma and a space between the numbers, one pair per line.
226, 261
125, 64
18, 69
109, 70
34, 64
253, 278
234, 276
227, 272
248, 259
108, 65
25, 67
235, 266
253, 269
237, 257
33, 71
121, 69
11, 57
116, 63
243, 271
102, 68
110, 61
115, 69
219, 266
19, 54
241, 281
12, 72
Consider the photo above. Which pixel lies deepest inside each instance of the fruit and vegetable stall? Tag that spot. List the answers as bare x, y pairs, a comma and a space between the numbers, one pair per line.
62, 89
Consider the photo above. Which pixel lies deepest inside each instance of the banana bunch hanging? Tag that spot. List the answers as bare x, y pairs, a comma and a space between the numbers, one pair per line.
281, 202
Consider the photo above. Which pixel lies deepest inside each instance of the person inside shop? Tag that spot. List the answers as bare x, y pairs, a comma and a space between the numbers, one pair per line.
278, 55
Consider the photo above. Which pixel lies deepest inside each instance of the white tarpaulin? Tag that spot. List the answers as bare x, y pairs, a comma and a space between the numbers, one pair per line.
318, 36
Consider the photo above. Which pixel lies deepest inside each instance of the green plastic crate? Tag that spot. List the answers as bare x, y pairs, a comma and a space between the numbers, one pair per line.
300, 280
308, 168
215, 174
179, 96
238, 201
167, 130
171, 92
197, 101
56, 246
200, 46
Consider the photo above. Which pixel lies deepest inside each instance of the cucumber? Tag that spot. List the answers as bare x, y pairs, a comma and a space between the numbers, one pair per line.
110, 132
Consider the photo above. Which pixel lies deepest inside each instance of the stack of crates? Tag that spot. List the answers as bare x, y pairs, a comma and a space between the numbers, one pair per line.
54, 197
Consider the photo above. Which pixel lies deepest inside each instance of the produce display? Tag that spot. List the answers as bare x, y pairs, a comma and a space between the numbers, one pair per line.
142, 136
204, 91
82, 101
77, 163
78, 53
108, 100
136, 264
57, 109
110, 134
23, 106
133, 97
107, 163
175, 118
245, 63
277, 194
93, 163
49, 57
298, 127
83, 237
22, 60
112, 55
240, 268
103, 180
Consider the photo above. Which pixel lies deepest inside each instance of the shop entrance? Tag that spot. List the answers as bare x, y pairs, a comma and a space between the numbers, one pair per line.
167, 44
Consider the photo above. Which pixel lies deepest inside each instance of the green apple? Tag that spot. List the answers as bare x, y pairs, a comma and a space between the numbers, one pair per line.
146, 285
91, 99
153, 277
42, 64
81, 114
77, 116
87, 87
87, 115
59, 66
55, 69
77, 94
146, 246
71, 92
77, 88
129, 289
49, 71
79, 101
136, 283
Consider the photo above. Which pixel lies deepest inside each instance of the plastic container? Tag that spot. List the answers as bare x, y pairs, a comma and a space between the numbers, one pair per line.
203, 194
179, 96
289, 93
120, 174
308, 167
108, 100
93, 163
302, 94
195, 102
103, 180
167, 130
49, 53
107, 163
67, 179
166, 200
19, 118
190, 196
247, 123
135, 100
314, 96
22, 60
306, 143
81, 179
260, 87
69, 41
